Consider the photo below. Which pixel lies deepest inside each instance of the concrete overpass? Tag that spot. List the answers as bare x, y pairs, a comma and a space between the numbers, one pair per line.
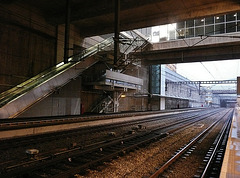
204, 48
224, 92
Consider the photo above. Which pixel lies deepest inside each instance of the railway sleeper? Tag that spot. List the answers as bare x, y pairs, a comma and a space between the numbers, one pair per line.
130, 144
216, 163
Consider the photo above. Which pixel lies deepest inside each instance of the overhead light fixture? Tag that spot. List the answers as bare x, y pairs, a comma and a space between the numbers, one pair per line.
60, 64
123, 96
217, 18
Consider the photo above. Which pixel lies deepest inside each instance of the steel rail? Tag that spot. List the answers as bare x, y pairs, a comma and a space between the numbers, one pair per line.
43, 121
50, 136
189, 117
54, 159
184, 149
225, 127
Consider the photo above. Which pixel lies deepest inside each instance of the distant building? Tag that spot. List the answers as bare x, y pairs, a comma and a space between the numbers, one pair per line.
214, 25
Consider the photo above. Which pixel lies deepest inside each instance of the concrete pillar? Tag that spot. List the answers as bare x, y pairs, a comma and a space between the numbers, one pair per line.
150, 88
162, 87
115, 101
162, 103
116, 31
238, 85
67, 31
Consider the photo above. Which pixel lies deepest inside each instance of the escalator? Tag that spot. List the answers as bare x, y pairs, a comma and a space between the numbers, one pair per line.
18, 99
15, 101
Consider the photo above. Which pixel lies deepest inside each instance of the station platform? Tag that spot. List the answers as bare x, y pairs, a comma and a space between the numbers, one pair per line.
29, 128
231, 162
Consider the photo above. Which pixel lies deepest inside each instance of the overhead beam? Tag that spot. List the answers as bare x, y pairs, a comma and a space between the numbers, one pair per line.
94, 8
205, 82
173, 12
212, 52
97, 17
178, 12
224, 91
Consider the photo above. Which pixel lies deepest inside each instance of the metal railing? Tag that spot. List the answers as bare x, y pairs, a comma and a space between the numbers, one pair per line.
50, 73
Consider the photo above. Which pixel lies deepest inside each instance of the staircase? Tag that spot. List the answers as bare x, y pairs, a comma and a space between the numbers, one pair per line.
102, 105
18, 99
128, 44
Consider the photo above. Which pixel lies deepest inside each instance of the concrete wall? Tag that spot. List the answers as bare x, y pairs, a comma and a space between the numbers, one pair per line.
133, 104
30, 45
136, 103
27, 44
174, 103
65, 101
154, 104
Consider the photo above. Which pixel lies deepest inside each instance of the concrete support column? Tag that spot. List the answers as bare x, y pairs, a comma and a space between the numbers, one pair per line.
238, 86
116, 31
150, 88
67, 31
115, 101
162, 86
162, 103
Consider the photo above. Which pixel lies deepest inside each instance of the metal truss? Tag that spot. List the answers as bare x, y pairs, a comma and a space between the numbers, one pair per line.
205, 82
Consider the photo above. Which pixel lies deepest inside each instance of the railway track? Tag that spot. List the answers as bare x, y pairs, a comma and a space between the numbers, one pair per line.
69, 162
213, 159
211, 164
8, 124
48, 137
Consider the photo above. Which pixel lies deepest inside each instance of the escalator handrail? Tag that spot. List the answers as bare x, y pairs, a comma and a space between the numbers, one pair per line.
50, 73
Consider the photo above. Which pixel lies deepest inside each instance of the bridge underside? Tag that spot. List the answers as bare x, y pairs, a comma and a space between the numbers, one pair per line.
97, 17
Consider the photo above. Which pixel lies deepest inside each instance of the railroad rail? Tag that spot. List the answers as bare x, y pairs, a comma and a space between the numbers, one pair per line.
72, 161
35, 126
216, 150
212, 167
6, 124
47, 137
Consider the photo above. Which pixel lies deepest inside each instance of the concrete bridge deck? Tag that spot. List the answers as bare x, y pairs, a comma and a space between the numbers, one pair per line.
205, 48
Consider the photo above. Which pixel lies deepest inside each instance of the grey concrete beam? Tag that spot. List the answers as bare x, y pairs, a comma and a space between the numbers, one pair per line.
192, 54
163, 12
97, 17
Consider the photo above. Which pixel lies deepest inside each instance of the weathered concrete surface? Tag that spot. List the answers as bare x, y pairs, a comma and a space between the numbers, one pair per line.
95, 17
193, 50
